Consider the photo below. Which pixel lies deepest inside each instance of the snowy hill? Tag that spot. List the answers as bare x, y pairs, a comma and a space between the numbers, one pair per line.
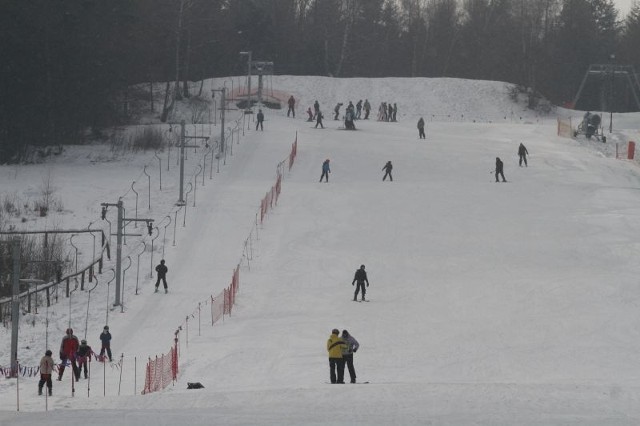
491, 303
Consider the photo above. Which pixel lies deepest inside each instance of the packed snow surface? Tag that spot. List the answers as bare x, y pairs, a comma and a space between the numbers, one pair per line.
490, 303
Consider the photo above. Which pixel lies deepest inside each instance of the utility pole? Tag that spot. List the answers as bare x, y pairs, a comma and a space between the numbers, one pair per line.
183, 145
248, 54
611, 93
15, 305
122, 221
223, 107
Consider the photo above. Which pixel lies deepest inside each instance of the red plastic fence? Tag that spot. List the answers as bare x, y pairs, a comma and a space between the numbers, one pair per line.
163, 370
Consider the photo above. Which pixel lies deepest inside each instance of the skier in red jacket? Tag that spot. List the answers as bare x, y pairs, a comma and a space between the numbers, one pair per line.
68, 350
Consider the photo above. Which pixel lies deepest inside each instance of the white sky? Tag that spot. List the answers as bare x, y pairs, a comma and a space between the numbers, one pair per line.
491, 303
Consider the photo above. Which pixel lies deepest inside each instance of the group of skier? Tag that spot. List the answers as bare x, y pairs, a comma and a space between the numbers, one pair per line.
522, 154
74, 353
326, 169
387, 111
342, 348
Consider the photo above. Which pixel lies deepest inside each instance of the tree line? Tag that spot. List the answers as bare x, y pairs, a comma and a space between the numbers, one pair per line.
68, 63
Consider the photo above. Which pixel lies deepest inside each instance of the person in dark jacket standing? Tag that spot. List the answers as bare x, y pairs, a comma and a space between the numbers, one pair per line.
337, 110
387, 168
162, 270
259, 120
367, 109
421, 129
360, 277
351, 347
46, 370
335, 346
499, 170
105, 338
325, 171
319, 117
68, 350
316, 108
84, 357
292, 103
522, 153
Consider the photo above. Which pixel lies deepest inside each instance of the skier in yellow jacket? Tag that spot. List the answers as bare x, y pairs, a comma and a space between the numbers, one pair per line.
335, 346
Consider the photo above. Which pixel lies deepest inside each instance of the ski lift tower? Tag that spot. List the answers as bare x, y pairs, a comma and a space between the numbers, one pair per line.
611, 72
262, 68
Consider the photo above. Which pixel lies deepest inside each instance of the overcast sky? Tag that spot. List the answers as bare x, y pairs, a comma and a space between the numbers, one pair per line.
623, 6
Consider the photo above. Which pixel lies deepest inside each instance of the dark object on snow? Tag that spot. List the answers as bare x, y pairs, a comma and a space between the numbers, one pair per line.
590, 126
194, 385
499, 169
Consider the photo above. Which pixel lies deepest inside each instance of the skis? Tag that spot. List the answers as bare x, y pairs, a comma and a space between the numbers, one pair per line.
366, 300
345, 383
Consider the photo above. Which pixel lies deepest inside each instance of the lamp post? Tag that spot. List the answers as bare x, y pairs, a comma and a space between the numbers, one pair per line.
248, 54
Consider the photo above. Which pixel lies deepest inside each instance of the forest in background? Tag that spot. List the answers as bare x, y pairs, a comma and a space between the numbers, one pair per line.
68, 63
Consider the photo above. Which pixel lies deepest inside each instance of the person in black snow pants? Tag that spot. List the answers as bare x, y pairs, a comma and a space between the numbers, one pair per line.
162, 270
319, 117
292, 105
84, 357
387, 168
361, 278
499, 170
522, 153
421, 134
105, 339
325, 171
350, 348
260, 119
337, 110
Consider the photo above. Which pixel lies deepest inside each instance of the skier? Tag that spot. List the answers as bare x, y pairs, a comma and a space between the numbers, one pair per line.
421, 128
310, 114
358, 109
105, 338
46, 369
348, 120
499, 169
361, 278
335, 346
395, 111
292, 103
337, 110
325, 171
260, 119
162, 270
316, 108
68, 349
367, 109
522, 152
84, 355
387, 168
351, 346
319, 118
382, 112
390, 112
